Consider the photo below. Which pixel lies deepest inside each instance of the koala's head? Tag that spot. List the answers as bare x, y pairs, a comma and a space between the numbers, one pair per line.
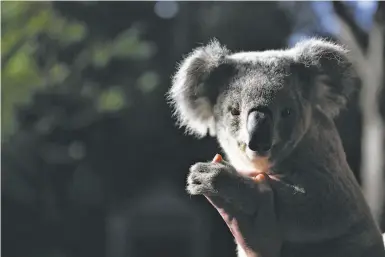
259, 103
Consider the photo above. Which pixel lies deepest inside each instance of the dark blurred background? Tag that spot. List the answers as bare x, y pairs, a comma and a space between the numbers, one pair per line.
92, 163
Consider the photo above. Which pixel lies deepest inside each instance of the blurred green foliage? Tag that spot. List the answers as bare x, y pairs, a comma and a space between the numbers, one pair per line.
22, 22
23, 25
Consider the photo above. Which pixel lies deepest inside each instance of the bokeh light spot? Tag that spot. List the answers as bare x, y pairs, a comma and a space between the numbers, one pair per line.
166, 9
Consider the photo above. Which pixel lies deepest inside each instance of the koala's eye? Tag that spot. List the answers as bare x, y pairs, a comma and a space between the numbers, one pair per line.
285, 112
234, 111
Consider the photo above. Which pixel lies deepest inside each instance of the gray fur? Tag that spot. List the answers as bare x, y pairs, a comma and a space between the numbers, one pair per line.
193, 109
330, 217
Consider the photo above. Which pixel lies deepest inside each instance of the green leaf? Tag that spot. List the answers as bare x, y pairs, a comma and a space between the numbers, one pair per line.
19, 79
128, 45
101, 54
74, 32
148, 81
59, 72
111, 100
14, 9
39, 22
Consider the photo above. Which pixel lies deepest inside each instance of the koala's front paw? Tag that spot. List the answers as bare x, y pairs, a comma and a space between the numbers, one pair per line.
247, 206
206, 178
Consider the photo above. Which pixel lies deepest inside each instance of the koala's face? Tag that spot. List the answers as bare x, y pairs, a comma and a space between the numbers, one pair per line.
259, 104
260, 108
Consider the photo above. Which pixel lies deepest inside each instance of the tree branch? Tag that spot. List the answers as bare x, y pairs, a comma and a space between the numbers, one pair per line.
373, 130
370, 68
360, 36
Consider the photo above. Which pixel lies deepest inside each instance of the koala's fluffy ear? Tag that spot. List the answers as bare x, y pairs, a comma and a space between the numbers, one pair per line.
195, 88
332, 76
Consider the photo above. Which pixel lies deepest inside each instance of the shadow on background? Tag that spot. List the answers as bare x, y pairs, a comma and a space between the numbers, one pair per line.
92, 163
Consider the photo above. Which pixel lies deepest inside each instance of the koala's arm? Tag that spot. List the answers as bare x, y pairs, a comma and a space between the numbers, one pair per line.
246, 206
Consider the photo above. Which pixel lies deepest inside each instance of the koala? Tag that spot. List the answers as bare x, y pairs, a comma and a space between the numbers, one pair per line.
279, 106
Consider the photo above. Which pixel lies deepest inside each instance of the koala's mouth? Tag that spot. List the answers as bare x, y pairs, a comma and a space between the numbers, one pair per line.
257, 163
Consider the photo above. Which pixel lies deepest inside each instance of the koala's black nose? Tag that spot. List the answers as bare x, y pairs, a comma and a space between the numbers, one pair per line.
259, 128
